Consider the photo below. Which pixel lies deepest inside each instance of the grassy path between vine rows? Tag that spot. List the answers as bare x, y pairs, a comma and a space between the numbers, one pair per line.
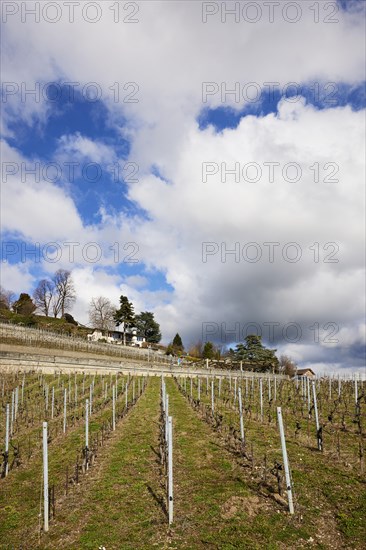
215, 508
117, 509
20, 492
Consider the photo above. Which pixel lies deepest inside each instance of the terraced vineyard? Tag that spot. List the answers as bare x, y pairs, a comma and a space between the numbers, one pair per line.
228, 477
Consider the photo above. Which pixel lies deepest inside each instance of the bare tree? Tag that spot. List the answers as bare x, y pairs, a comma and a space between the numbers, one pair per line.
196, 349
64, 292
43, 295
7, 298
287, 365
101, 313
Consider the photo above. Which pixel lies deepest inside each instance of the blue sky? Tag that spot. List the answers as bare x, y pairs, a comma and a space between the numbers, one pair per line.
159, 144
322, 96
40, 140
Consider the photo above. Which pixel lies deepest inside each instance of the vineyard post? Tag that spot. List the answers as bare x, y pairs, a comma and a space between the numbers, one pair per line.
166, 417
16, 402
65, 408
275, 388
356, 389
46, 397
191, 387
87, 423
114, 407
45, 477
53, 403
212, 396
91, 398
206, 363
235, 392
261, 397
12, 413
241, 416
269, 389
316, 416
7, 439
285, 461
76, 392
69, 389
308, 392
126, 394
163, 393
23, 388
170, 469
199, 389
13, 405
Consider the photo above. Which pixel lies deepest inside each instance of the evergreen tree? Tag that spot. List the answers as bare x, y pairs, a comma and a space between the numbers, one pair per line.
70, 319
208, 351
125, 315
175, 347
147, 327
254, 352
177, 342
24, 305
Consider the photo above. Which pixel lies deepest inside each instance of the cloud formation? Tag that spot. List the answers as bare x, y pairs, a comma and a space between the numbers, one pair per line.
196, 187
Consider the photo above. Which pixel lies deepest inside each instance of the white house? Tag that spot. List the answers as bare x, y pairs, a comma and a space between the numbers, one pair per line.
116, 337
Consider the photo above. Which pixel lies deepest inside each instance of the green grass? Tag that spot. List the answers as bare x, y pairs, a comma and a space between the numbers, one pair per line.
209, 483
118, 511
20, 495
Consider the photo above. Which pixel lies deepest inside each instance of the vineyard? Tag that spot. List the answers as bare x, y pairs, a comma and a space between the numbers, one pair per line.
40, 338
181, 461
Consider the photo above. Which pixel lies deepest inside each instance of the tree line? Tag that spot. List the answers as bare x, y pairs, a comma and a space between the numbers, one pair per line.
57, 295
252, 351
104, 316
